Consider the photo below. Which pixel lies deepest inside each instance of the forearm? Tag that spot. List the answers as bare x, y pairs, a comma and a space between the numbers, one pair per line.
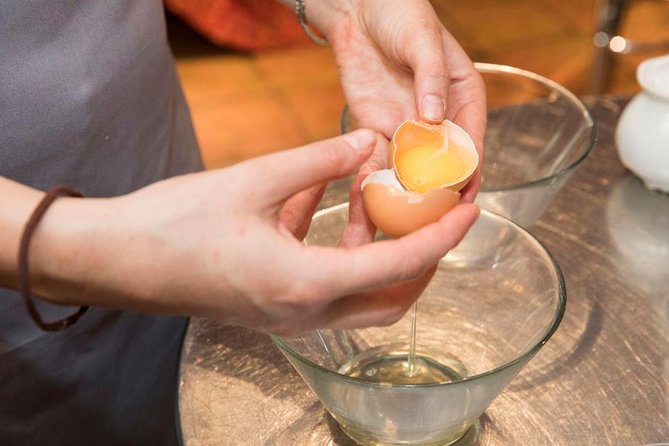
68, 258
114, 252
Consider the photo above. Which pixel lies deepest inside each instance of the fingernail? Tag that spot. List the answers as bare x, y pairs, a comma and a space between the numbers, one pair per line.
432, 107
360, 139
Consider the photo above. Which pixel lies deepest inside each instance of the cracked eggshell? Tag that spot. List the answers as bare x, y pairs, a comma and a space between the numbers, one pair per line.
447, 135
397, 212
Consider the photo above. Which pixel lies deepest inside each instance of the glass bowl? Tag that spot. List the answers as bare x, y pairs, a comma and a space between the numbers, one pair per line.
538, 133
494, 301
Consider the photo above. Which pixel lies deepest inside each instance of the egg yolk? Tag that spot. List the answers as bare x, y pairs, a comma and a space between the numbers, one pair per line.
424, 168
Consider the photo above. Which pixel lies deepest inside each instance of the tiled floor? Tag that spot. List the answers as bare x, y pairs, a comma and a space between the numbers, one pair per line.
245, 105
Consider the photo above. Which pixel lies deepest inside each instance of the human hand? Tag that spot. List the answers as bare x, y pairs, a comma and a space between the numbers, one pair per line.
397, 61
360, 231
221, 244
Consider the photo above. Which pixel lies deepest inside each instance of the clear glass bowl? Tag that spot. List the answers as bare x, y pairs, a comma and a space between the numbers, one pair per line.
494, 301
538, 133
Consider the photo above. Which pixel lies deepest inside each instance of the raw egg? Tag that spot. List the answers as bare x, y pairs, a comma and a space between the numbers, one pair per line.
429, 165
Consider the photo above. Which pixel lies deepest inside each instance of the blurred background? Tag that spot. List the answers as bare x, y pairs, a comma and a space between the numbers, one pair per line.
256, 84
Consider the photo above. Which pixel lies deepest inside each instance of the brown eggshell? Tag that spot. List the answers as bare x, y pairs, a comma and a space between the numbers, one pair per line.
448, 135
397, 212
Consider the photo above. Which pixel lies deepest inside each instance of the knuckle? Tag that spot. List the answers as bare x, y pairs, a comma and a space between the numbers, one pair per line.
297, 294
298, 297
437, 72
411, 268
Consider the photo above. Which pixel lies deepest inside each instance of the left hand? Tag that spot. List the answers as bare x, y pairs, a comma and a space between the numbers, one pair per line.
397, 61
296, 215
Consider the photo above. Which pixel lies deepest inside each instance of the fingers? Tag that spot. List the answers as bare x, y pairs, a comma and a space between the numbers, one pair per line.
380, 281
360, 229
425, 55
297, 212
467, 104
377, 308
380, 264
468, 194
379, 157
470, 114
292, 171
467, 95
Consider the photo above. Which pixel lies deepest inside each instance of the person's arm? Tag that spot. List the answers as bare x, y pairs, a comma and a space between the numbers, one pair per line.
68, 251
225, 244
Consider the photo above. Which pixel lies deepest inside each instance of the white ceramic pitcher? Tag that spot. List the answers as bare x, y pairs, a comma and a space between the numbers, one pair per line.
642, 134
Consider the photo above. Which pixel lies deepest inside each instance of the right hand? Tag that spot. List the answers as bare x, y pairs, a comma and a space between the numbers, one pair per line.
397, 61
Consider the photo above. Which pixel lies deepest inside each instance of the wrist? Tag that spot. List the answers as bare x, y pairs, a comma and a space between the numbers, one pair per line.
324, 15
68, 252
108, 253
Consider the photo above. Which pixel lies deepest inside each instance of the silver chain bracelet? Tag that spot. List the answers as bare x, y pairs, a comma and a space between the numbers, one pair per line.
302, 18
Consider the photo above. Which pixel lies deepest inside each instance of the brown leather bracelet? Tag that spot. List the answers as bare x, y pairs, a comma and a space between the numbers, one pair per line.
23, 272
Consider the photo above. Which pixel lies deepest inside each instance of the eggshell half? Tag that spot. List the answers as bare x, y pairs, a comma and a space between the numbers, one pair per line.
447, 135
397, 212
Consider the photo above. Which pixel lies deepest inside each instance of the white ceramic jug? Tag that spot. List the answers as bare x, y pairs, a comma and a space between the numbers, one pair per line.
642, 134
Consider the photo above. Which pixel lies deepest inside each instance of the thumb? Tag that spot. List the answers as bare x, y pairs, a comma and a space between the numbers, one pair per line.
298, 169
424, 55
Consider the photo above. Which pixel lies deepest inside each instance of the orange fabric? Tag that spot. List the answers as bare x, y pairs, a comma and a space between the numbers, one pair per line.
241, 24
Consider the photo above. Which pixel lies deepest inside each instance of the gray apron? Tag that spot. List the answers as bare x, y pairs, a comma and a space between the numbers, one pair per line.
89, 98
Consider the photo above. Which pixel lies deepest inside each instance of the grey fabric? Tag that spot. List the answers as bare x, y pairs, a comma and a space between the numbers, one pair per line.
89, 98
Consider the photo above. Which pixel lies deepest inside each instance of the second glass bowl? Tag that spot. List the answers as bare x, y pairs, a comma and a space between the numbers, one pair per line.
538, 133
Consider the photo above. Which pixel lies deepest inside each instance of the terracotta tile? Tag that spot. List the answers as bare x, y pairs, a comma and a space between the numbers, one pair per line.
581, 15
464, 33
243, 128
568, 63
646, 21
500, 24
218, 77
298, 67
318, 110
623, 81
446, 5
